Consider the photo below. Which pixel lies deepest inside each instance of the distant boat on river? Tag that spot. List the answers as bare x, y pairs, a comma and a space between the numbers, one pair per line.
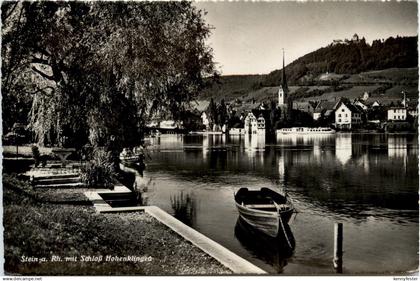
305, 131
264, 209
206, 133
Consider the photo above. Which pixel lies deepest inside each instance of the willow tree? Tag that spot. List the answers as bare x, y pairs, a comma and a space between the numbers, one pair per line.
101, 70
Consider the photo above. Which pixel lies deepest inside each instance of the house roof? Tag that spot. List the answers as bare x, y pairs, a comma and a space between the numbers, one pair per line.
412, 103
305, 106
350, 106
396, 107
328, 112
325, 105
360, 101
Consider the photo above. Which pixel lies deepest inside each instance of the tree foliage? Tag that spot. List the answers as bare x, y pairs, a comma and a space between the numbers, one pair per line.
218, 113
349, 58
100, 69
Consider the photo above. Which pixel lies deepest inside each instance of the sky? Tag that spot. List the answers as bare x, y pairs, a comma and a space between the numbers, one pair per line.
248, 36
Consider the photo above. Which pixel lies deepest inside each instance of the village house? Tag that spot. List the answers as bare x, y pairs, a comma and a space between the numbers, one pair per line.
324, 109
317, 114
376, 115
308, 107
397, 113
361, 104
205, 120
411, 106
251, 124
261, 124
413, 111
376, 104
365, 96
347, 115
254, 125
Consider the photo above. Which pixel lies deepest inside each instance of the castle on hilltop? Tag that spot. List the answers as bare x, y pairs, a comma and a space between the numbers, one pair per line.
355, 39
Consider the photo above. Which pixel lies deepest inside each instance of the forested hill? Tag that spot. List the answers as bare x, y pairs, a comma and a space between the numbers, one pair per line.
350, 57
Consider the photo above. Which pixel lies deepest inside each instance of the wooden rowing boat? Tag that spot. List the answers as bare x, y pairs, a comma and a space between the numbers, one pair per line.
273, 250
131, 156
264, 209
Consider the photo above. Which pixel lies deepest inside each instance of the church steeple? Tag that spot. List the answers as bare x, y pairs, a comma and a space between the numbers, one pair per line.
283, 90
284, 80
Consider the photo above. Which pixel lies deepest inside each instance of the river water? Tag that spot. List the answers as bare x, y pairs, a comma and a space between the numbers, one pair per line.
368, 182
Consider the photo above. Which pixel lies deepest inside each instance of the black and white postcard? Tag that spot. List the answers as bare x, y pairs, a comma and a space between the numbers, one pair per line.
151, 138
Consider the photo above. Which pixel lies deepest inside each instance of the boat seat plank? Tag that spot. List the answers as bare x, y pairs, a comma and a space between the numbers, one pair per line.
266, 206
261, 206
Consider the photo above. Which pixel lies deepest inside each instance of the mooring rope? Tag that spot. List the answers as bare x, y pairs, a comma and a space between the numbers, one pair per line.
282, 227
285, 234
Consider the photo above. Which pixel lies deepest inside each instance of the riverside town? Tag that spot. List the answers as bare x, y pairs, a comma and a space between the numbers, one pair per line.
151, 138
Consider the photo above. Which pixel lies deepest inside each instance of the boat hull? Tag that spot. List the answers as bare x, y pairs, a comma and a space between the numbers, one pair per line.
130, 160
268, 222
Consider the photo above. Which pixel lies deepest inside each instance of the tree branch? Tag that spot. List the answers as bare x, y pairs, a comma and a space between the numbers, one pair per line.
12, 55
42, 90
42, 51
39, 60
49, 77
10, 12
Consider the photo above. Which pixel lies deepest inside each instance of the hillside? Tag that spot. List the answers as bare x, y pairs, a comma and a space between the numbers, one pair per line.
347, 69
349, 58
233, 86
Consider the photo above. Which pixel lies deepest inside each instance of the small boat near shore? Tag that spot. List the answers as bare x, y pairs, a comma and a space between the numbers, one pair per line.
274, 250
264, 209
130, 159
131, 156
305, 131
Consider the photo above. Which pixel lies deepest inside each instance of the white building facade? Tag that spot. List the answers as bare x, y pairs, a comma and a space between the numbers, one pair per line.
347, 116
251, 124
254, 125
261, 125
205, 120
397, 114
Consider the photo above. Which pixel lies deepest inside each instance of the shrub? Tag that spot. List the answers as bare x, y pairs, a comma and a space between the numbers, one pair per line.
38, 158
398, 127
99, 172
36, 155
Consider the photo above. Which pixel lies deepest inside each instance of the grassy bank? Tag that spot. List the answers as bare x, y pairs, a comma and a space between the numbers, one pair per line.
45, 223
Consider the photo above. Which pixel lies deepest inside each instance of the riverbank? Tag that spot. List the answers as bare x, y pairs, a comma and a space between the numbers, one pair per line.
44, 227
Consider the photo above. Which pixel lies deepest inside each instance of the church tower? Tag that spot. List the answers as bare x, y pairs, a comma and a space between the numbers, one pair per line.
285, 101
283, 90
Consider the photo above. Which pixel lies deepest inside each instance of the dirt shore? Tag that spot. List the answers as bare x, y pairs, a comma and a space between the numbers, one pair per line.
50, 232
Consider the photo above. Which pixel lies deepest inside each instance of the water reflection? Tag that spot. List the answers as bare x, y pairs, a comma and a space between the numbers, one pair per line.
184, 207
166, 142
131, 175
254, 143
213, 143
343, 148
344, 174
370, 182
273, 250
303, 140
397, 147
282, 171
